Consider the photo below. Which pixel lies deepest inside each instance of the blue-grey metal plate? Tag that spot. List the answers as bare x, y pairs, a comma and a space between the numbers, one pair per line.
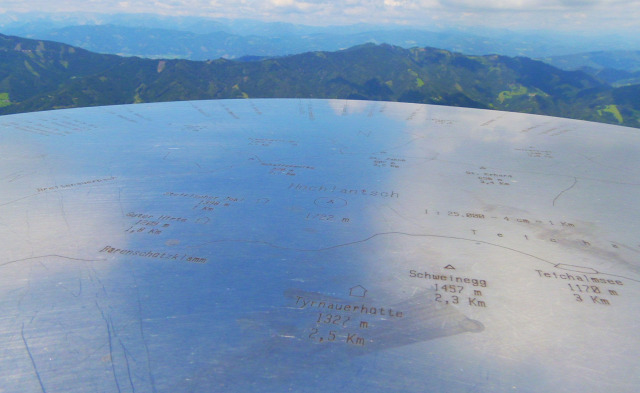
317, 245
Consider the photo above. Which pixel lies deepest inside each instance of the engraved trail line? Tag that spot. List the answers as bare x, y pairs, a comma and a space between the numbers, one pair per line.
575, 181
556, 265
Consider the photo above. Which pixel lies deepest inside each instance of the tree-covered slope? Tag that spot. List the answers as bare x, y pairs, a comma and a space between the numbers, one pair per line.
40, 75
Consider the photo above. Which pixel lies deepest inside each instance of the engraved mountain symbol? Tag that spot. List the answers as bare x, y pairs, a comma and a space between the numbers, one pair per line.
358, 291
450, 267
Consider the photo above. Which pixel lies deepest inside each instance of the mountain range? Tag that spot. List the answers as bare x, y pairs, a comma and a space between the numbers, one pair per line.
41, 75
201, 38
619, 67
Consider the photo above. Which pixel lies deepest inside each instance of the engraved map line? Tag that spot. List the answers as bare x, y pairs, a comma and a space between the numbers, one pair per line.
19, 199
575, 181
48, 256
33, 362
273, 245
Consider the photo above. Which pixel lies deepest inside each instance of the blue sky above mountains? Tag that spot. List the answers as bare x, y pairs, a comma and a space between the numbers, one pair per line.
580, 15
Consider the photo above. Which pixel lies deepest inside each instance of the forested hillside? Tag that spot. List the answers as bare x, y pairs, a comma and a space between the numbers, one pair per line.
41, 75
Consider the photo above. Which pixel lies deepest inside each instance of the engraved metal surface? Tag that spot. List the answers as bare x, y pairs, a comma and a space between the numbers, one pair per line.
317, 245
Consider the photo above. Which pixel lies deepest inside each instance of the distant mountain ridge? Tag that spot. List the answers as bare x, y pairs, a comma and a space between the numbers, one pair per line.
202, 39
168, 43
41, 75
626, 60
618, 67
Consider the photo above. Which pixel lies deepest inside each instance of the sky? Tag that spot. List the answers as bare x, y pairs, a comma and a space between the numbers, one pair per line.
582, 15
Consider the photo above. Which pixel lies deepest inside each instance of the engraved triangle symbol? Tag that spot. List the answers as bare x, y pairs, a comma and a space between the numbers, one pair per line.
450, 267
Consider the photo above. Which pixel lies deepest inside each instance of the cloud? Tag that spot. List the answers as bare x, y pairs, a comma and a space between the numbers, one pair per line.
561, 14
533, 5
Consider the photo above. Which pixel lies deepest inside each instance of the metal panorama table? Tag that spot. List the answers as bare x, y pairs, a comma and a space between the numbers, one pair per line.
317, 246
